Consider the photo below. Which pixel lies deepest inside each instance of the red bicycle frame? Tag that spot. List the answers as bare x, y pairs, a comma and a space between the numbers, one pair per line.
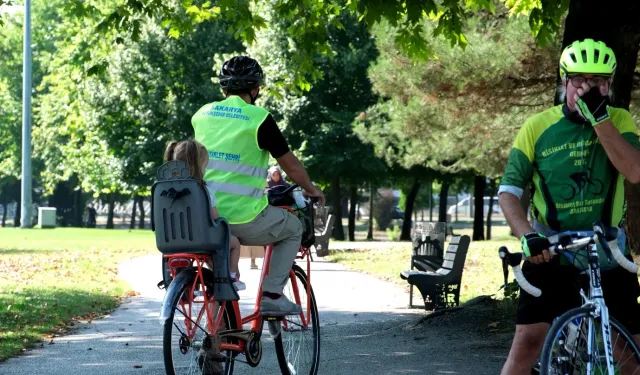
214, 320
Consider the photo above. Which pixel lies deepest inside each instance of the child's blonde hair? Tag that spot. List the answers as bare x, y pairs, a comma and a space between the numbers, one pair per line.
190, 151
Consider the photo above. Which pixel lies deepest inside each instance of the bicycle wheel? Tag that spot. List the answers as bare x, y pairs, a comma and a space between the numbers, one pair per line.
297, 345
186, 342
565, 348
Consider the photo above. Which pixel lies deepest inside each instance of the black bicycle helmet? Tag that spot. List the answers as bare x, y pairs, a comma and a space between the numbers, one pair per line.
240, 73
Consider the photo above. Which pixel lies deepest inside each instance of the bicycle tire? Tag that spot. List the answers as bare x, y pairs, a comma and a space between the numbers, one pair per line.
229, 321
563, 320
281, 351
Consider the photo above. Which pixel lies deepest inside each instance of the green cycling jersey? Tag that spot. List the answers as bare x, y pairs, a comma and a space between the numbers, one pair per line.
559, 158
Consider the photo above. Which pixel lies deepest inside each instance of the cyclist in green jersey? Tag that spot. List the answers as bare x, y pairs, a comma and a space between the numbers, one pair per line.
574, 158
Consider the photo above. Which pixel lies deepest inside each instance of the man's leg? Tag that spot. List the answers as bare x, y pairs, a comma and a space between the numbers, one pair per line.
559, 286
281, 228
525, 349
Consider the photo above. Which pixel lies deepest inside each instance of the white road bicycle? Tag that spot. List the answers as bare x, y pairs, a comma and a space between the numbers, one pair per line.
584, 340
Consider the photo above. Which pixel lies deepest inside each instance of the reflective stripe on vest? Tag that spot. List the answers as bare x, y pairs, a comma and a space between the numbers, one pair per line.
247, 170
235, 189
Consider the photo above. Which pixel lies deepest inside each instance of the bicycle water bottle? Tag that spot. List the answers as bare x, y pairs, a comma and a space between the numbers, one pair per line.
572, 334
299, 199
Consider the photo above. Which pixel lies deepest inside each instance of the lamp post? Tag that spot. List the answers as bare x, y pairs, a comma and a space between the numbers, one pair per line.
25, 213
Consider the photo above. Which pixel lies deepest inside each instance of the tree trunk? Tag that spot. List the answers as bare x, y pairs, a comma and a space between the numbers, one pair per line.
16, 218
415, 216
619, 29
142, 213
456, 206
492, 191
111, 206
4, 214
405, 235
132, 224
336, 202
431, 201
478, 216
353, 201
444, 194
370, 231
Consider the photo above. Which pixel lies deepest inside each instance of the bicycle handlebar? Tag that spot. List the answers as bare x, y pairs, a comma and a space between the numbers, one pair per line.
605, 237
290, 189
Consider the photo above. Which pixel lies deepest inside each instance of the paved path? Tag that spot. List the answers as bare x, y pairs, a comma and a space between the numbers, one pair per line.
364, 331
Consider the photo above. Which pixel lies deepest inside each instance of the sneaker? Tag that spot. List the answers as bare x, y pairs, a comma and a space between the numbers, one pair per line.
239, 285
278, 307
254, 266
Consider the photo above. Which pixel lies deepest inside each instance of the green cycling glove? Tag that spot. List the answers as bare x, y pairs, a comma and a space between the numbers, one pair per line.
594, 107
534, 243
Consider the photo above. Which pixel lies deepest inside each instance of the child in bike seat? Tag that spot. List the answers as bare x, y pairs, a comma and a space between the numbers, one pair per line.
196, 156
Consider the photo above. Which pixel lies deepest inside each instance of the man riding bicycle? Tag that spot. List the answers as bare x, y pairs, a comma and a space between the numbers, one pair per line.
240, 136
584, 137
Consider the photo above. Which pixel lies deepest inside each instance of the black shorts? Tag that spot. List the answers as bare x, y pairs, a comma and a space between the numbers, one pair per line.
560, 285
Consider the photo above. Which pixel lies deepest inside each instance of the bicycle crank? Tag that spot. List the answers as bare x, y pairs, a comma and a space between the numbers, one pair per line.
275, 325
253, 350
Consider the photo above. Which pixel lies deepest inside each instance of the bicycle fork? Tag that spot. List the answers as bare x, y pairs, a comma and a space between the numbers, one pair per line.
599, 310
606, 332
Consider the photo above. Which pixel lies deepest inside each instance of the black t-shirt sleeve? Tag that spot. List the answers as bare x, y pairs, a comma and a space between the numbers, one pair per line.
270, 138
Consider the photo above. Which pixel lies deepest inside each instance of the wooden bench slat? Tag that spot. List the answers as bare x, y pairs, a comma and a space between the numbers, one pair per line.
455, 240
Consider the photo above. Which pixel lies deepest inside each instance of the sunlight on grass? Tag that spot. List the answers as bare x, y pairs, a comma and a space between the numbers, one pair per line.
53, 276
482, 272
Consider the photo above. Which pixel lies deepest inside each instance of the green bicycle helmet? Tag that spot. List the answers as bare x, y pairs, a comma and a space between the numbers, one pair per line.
587, 56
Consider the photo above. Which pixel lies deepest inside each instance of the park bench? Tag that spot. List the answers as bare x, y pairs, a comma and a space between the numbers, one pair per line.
322, 237
428, 245
440, 288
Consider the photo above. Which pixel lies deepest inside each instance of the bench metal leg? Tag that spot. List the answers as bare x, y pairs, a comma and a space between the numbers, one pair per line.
411, 291
410, 296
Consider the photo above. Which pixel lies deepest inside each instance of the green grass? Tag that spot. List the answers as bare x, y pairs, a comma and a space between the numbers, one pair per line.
482, 271
51, 277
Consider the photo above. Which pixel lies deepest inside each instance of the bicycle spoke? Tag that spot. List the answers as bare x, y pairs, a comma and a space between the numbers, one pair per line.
196, 324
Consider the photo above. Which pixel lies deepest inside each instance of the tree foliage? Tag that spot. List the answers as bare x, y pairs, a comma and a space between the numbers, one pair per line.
458, 111
318, 123
110, 127
309, 21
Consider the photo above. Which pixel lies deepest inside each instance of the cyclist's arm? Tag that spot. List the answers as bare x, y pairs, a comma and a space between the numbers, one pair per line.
295, 171
622, 145
517, 177
270, 138
515, 215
